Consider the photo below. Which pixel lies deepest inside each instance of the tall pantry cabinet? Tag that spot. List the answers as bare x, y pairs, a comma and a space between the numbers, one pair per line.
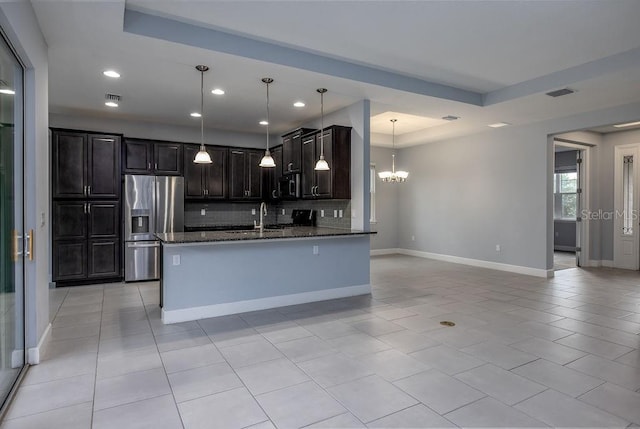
86, 188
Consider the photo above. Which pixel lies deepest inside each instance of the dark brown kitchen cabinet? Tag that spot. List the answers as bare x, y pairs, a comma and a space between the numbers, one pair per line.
335, 183
292, 150
245, 175
85, 165
271, 176
205, 181
152, 157
86, 240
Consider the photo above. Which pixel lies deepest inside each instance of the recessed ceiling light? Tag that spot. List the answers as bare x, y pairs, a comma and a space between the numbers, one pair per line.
111, 104
499, 124
7, 91
628, 124
264, 123
451, 118
195, 115
111, 73
217, 91
299, 104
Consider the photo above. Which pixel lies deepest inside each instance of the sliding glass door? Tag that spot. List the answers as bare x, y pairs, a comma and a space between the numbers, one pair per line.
12, 234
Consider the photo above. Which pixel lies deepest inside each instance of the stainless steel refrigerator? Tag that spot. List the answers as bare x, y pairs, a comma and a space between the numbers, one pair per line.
153, 204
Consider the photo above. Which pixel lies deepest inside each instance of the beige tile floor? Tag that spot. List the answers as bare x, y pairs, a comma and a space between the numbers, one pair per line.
525, 352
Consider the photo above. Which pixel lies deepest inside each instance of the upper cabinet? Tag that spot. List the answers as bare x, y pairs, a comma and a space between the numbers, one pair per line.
152, 157
335, 183
205, 181
271, 176
85, 165
245, 174
292, 150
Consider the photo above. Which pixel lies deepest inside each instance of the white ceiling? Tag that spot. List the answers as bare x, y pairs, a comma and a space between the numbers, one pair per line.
507, 53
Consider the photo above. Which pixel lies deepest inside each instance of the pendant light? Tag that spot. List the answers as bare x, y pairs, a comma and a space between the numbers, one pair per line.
202, 157
322, 164
267, 160
393, 176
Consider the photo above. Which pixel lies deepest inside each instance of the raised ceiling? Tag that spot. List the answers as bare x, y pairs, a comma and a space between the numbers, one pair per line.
484, 61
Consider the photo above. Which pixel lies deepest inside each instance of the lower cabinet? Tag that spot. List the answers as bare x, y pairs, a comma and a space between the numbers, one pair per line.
86, 240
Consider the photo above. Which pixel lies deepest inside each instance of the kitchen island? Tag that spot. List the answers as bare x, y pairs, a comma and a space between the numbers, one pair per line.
216, 273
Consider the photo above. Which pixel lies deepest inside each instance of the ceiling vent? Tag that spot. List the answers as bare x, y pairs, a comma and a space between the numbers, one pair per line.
451, 118
560, 92
112, 97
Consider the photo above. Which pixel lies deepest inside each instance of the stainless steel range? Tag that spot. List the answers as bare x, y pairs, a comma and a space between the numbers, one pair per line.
153, 204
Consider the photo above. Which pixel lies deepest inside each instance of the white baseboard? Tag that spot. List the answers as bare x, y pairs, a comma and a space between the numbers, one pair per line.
379, 252
606, 263
215, 310
538, 272
34, 354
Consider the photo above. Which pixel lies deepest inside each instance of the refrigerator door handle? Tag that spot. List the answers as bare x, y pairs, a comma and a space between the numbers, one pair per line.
154, 244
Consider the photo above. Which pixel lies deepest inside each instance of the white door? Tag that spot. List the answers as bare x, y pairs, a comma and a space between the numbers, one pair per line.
625, 223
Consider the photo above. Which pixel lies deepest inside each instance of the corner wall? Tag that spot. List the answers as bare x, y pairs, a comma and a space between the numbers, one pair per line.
386, 202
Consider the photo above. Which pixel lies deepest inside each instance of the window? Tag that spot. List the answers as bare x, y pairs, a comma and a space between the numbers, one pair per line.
565, 200
372, 193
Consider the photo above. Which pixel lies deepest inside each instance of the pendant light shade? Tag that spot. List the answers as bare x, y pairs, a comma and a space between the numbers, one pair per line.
267, 160
202, 157
393, 176
322, 164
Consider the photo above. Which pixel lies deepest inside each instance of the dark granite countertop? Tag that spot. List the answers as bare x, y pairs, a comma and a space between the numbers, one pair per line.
267, 234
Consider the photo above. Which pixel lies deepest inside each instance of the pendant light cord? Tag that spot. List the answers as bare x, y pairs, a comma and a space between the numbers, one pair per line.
393, 143
268, 120
201, 109
322, 125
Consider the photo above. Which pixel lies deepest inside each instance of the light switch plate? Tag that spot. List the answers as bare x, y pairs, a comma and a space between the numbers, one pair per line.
321, 213
316, 250
176, 259
335, 213
203, 212
253, 212
283, 212
339, 213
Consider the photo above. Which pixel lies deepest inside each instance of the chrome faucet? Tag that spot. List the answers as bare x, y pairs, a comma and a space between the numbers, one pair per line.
263, 212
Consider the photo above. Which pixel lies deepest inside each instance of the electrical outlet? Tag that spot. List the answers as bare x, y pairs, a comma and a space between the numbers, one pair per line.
316, 250
413, 238
339, 213
253, 212
497, 247
322, 213
335, 213
176, 259
203, 212
283, 212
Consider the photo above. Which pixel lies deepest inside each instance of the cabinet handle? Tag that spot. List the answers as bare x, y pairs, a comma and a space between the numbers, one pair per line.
16, 245
105, 140
149, 166
89, 208
156, 165
206, 192
84, 190
88, 190
289, 166
273, 194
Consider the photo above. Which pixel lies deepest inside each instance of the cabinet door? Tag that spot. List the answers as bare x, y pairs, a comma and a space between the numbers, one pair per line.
254, 174
193, 173
287, 153
103, 220
137, 156
69, 260
69, 220
215, 174
271, 176
308, 165
237, 183
103, 258
103, 164
69, 169
167, 159
323, 178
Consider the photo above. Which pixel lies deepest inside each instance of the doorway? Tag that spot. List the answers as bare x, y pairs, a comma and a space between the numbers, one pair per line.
569, 200
12, 241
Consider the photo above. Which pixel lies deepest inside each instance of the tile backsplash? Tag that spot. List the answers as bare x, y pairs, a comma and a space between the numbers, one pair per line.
228, 214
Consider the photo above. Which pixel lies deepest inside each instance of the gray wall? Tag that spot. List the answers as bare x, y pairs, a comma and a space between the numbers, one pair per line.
19, 22
387, 197
468, 194
564, 235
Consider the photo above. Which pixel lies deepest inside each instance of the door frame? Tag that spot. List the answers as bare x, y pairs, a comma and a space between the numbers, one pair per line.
583, 226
